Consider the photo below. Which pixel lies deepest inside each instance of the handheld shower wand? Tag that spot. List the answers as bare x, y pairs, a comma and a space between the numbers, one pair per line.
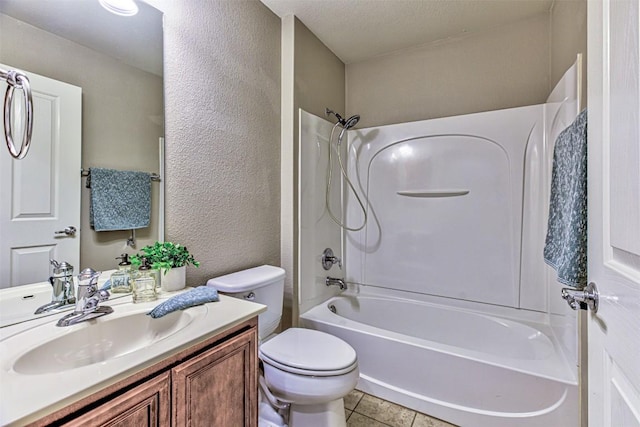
346, 125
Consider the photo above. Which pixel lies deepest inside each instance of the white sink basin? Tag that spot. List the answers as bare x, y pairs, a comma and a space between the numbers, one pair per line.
104, 339
37, 357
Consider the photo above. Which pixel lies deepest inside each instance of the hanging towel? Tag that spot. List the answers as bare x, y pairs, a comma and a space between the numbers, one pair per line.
120, 200
196, 296
566, 243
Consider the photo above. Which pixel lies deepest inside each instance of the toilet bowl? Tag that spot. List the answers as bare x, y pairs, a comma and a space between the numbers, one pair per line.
312, 371
306, 373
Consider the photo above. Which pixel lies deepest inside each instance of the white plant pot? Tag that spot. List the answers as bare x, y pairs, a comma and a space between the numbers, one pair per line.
174, 279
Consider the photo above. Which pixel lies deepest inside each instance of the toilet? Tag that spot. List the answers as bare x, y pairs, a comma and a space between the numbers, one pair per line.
306, 372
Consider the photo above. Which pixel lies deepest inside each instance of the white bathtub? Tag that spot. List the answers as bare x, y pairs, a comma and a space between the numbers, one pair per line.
465, 367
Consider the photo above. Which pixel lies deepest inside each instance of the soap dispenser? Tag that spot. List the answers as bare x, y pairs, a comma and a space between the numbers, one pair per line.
121, 279
144, 283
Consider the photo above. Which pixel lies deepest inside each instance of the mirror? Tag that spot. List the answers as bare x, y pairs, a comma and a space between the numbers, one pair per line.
117, 62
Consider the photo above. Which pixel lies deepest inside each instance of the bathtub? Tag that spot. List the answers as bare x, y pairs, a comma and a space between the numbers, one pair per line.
468, 368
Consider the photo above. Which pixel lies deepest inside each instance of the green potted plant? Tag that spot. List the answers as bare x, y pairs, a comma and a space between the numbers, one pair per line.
172, 259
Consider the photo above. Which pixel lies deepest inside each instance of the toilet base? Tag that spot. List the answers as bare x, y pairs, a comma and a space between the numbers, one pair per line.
330, 414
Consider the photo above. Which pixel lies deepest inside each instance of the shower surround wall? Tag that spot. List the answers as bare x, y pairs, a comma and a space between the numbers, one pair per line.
317, 229
445, 205
456, 206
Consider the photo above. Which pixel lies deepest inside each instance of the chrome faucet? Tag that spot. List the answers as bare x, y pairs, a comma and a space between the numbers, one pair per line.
62, 285
89, 298
335, 281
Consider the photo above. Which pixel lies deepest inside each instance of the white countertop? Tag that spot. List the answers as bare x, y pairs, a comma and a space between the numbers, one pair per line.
28, 397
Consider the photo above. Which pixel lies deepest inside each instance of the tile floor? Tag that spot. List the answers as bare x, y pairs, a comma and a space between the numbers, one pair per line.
364, 410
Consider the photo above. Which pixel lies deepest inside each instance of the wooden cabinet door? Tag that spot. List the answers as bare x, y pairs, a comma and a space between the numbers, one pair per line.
219, 386
145, 405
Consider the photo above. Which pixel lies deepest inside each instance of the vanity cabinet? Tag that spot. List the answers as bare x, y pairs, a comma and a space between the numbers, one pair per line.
145, 405
212, 389
213, 383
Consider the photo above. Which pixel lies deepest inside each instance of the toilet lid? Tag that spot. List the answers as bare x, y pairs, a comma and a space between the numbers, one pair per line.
308, 351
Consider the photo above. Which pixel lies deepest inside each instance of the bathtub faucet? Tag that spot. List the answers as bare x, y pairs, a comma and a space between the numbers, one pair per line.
334, 281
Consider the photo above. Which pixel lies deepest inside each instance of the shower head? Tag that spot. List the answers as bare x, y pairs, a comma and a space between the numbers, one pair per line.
351, 122
348, 124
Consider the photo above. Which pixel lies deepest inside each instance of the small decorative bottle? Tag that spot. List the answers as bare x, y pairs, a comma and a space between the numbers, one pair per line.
121, 279
144, 283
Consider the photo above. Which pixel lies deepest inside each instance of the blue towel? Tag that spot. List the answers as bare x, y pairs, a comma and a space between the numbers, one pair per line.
566, 243
196, 296
120, 200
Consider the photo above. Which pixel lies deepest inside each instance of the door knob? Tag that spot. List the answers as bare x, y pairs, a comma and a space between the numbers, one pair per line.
583, 298
69, 231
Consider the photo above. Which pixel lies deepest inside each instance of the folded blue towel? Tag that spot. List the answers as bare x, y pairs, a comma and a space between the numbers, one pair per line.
196, 296
120, 200
566, 243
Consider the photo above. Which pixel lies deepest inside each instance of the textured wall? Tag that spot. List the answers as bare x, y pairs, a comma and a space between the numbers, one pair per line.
121, 120
494, 69
319, 74
222, 99
568, 38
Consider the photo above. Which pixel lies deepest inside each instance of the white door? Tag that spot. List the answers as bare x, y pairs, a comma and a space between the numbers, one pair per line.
40, 195
614, 212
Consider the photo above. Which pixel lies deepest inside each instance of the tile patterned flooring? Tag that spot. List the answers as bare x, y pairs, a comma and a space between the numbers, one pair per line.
364, 410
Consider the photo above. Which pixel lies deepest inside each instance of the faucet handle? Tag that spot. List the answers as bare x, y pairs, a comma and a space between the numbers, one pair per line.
103, 295
328, 259
88, 276
93, 301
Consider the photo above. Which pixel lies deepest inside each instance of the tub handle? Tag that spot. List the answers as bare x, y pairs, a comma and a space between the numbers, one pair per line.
328, 259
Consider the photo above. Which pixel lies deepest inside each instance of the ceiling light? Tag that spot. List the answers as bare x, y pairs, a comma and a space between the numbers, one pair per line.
120, 7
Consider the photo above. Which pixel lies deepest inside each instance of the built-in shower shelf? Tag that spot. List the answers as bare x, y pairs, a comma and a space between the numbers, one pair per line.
433, 193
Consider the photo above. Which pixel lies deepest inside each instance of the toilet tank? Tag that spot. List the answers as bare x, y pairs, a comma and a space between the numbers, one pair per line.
264, 285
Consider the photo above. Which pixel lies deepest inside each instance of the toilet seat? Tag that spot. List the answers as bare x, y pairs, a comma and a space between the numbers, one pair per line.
309, 352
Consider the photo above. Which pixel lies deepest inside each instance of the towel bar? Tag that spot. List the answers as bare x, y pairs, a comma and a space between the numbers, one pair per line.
154, 176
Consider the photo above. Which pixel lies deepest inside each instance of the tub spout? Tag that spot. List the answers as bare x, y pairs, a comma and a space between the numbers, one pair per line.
335, 281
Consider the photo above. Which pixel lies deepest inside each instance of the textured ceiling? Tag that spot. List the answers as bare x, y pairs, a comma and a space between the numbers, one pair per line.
359, 29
